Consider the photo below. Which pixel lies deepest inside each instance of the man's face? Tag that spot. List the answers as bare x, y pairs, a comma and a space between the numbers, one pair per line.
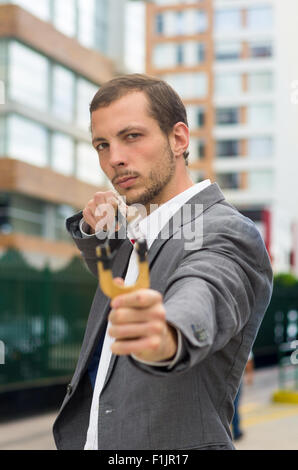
133, 151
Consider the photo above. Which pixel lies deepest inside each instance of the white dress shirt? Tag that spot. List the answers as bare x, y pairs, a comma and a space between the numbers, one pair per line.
149, 228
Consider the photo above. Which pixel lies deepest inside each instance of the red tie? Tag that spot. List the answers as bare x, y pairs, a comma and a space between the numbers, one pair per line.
133, 241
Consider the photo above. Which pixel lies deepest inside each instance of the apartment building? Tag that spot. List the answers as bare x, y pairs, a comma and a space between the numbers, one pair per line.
233, 62
54, 55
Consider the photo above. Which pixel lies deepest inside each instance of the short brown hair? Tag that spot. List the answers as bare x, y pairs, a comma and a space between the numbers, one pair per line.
166, 106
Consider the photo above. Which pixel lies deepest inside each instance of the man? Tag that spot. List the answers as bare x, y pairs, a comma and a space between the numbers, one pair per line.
159, 368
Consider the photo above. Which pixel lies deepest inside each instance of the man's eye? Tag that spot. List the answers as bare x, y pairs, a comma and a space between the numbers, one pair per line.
132, 136
101, 147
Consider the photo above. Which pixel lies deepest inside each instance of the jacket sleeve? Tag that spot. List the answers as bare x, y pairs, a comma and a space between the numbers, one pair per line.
217, 289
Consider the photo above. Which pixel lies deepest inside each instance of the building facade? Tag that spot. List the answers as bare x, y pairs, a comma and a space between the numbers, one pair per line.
233, 63
53, 58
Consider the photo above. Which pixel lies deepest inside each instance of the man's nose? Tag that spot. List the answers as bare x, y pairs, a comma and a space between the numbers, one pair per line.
117, 155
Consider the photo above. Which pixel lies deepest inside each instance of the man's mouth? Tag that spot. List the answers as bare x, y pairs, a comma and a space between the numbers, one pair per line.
126, 181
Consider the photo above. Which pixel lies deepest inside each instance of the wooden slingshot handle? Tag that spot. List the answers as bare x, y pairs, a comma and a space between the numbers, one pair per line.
107, 283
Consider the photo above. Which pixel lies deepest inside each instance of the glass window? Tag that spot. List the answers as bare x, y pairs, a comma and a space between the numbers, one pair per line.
228, 84
28, 76
227, 148
3, 63
159, 23
227, 116
88, 168
202, 21
197, 149
62, 151
61, 213
2, 135
27, 215
196, 116
65, 16
189, 85
260, 114
260, 147
179, 54
228, 180
86, 20
260, 18
260, 82
260, 49
85, 93
63, 83
101, 25
260, 180
27, 141
180, 22
165, 55
40, 8
227, 50
227, 20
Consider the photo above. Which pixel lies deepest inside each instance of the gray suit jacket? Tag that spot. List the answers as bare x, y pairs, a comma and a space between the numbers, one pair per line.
216, 295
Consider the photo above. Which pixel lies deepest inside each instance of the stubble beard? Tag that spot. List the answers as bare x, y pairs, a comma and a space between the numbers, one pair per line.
157, 181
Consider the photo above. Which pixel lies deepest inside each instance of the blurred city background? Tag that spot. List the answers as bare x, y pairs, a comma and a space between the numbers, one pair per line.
235, 65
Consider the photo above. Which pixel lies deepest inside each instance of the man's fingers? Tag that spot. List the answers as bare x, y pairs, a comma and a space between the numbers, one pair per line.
137, 346
138, 299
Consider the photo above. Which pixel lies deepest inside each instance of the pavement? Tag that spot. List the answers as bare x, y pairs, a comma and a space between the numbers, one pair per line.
266, 425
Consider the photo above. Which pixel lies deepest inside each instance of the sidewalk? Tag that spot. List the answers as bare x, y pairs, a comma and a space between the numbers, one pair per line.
266, 425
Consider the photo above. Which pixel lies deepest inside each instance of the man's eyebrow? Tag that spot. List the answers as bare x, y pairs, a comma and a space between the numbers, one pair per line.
120, 133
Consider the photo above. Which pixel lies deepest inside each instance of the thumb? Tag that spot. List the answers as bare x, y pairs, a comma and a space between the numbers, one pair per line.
119, 281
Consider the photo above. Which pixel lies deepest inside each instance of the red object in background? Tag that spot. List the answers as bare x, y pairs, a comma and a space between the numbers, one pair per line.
266, 220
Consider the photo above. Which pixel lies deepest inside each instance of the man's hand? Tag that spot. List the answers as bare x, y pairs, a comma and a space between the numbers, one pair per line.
139, 326
100, 211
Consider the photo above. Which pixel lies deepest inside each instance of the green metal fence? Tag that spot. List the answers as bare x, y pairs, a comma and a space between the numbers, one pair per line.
43, 315
42, 320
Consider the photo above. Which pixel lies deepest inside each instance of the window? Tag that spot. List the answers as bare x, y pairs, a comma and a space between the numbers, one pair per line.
26, 215
228, 180
188, 85
228, 84
65, 16
27, 141
259, 18
260, 114
260, 147
61, 213
227, 51
201, 21
88, 168
227, 148
86, 23
197, 149
227, 20
165, 55
196, 116
261, 50
2, 135
227, 116
63, 93
159, 24
260, 180
179, 54
260, 82
85, 93
28, 76
62, 151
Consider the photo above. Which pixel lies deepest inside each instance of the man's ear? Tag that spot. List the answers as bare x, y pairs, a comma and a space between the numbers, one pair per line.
179, 139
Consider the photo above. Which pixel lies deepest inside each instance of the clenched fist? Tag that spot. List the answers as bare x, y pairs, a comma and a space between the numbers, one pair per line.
138, 324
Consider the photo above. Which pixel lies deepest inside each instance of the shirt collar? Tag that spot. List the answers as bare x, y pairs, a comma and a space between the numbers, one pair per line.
150, 226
